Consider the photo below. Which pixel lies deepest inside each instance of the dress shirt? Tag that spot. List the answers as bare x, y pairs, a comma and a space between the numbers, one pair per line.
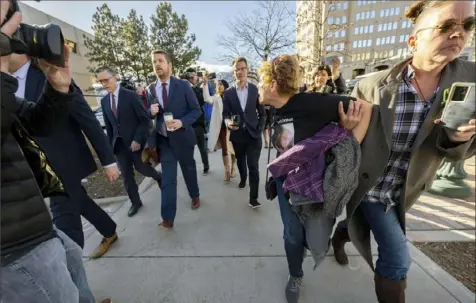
242, 95
158, 90
20, 75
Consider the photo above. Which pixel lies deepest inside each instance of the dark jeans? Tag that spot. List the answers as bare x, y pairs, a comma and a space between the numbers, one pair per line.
129, 160
200, 134
301, 232
247, 154
67, 212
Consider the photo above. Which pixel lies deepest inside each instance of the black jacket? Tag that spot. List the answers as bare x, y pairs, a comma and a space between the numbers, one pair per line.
26, 173
199, 93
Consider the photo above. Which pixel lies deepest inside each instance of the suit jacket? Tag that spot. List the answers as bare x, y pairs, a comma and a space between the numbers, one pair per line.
131, 122
253, 118
183, 104
66, 147
430, 148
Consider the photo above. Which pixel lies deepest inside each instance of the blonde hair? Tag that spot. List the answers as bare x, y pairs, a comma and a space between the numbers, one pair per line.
285, 70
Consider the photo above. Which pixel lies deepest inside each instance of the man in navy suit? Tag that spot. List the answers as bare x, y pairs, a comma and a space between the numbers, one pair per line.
175, 139
71, 157
126, 123
242, 100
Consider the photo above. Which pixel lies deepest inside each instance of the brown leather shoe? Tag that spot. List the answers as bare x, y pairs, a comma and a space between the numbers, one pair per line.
108, 300
195, 203
167, 224
338, 242
104, 246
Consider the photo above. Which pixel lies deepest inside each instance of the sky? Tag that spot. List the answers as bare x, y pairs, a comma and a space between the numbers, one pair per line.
206, 19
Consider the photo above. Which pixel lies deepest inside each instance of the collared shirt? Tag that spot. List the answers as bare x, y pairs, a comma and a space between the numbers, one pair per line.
21, 75
305, 162
116, 97
410, 112
158, 90
242, 95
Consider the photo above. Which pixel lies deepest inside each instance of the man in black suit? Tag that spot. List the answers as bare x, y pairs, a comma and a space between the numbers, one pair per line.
126, 123
199, 125
71, 158
242, 100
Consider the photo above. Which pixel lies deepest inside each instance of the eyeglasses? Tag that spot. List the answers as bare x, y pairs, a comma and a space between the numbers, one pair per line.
104, 80
451, 25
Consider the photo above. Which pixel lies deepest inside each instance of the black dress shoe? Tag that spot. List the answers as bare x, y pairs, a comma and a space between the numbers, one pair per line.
134, 209
206, 170
242, 184
254, 203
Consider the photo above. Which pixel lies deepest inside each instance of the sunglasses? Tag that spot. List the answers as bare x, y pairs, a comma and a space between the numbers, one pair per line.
451, 25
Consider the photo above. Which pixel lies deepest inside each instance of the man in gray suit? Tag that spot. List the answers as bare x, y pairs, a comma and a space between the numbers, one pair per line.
404, 145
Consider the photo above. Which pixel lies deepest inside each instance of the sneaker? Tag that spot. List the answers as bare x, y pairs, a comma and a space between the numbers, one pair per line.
206, 170
293, 288
254, 204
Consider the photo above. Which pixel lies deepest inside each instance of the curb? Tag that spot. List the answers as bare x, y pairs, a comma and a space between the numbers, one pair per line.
145, 185
440, 276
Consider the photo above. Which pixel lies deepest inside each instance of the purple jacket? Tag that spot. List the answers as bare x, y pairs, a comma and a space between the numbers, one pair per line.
304, 163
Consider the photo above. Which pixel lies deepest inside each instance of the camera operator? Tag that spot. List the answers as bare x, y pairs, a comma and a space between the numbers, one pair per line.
199, 125
39, 264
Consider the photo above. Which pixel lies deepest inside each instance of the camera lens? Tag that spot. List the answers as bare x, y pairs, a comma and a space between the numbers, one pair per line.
44, 42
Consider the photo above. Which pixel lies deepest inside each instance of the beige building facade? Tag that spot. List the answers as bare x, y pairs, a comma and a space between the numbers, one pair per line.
74, 39
366, 35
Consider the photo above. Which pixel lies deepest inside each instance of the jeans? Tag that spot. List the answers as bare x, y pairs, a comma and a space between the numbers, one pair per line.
394, 259
302, 232
53, 272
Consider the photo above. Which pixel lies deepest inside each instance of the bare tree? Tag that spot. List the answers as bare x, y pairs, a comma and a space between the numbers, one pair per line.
323, 38
259, 35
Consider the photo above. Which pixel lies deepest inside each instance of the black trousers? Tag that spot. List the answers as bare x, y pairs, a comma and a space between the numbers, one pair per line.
67, 212
201, 143
129, 160
247, 155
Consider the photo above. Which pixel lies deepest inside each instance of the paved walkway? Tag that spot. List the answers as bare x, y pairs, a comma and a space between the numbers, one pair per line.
225, 252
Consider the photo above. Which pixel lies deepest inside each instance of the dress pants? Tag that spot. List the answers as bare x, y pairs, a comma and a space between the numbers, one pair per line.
201, 143
129, 160
67, 212
248, 153
168, 159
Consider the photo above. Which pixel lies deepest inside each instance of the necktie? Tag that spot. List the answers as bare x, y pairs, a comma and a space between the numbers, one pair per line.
164, 94
113, 105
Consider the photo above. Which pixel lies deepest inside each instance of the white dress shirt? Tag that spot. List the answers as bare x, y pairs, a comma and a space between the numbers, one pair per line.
21, 74
242, 95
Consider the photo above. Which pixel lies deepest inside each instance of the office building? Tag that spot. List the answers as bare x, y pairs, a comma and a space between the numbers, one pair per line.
367, 36
74, 39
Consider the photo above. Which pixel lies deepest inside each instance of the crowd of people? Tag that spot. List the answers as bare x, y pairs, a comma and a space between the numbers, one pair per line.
370, 154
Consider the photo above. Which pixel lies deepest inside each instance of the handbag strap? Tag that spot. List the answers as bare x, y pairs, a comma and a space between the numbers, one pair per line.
271, 113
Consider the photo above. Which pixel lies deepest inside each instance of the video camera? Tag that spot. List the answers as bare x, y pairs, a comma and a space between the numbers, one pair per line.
128, 84
38, 41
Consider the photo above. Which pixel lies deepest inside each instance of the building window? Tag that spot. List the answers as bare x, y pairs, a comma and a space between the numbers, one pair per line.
366, 29
337, 20
72, 46
367, 15
382, 13
330, 20
354, 44
377, 42
402, 38
359, 3
356, 31
393, 40
364, 43
387, 12
328, 48
387, 40
380, 27
341, 46
361, 30
336, 35
339, 6
385, 27
373, 14
395, 25
404, 24
329, 35
346, 5
369, 42
344, 20
397, 11
360, 43
371, 29
407, 37
342, 33
392, 11
367, 56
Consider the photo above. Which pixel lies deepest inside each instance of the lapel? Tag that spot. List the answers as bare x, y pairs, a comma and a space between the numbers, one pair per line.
251, 99
108, 108
121, 98
173, 86
237, 99
35, 82
387, 97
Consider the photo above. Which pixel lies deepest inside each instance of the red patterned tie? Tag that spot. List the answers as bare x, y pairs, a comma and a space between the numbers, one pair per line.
164, 93
113, 105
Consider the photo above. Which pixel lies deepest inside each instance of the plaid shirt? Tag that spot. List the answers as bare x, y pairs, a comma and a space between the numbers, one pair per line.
410, 112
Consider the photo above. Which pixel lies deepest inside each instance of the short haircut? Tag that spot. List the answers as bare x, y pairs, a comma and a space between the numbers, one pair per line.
161, 52
285, 70
419, 8
320, 68
190, 70
107, 69
239, 59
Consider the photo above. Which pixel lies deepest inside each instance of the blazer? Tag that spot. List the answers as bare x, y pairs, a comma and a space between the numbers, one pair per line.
131, 122
183, 105
66, 147
253, 118
431, 146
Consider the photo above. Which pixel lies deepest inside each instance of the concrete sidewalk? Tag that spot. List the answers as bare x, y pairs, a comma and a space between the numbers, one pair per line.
225, 252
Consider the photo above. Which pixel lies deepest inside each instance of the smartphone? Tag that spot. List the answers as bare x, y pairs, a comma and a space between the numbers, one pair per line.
460, 106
